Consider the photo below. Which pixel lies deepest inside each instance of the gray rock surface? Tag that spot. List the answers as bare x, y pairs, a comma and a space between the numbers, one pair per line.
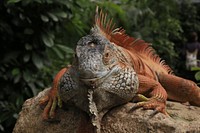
184, 119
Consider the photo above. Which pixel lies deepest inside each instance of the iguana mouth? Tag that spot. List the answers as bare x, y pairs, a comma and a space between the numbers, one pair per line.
103, 75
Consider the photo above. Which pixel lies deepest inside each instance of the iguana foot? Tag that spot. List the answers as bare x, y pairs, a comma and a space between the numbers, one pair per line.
158, 105
52, 100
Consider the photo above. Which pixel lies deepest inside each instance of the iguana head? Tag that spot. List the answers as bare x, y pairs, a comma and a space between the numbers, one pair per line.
96, 54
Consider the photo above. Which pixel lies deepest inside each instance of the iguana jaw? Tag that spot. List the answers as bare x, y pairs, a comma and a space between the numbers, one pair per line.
101, 77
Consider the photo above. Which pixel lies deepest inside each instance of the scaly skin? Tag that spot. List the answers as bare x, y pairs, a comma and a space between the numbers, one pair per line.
107, 70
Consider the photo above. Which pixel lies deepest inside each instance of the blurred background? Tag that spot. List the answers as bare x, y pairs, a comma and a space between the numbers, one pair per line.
37, 38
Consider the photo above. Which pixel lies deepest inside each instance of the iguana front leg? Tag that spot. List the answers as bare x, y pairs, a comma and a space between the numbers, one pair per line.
156, 93
53, 98
64, 87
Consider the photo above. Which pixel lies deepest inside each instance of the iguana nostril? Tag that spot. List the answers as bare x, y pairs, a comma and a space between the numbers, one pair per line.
92, 82
92, 45
95, 67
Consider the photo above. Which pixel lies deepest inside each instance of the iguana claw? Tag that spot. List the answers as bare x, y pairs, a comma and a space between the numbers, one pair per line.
52, 102
151, 103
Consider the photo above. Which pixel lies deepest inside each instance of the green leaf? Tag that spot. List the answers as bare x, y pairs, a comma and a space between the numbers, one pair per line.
16, 74
40, 84
195, 68
51, 34
48, 41
197, 75
26, 57
28, 46
1, 127
27, 76
58, 53
21, 16
44, 18
17, 78
16, 115
19, 101
15, 71
61, 14
54, 18
37, 61
65, 48
13, 1
33, 88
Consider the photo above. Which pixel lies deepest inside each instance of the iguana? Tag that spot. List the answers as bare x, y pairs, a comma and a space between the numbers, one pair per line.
111, 68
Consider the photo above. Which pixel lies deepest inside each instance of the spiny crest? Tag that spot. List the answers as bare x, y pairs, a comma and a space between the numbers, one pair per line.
104, 26
120, 38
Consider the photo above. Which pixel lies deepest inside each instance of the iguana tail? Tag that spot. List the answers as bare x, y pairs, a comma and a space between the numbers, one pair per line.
179, 89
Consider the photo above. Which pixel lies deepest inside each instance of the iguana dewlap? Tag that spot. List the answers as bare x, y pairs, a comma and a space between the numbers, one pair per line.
107, 70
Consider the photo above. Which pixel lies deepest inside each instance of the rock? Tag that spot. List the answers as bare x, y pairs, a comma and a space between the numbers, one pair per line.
184, 119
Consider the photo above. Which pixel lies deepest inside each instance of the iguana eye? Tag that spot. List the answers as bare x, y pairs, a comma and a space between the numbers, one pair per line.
91, 43
107, 55
106, 58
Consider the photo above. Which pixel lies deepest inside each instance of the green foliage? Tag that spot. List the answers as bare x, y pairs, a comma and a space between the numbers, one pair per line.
197, 74
190, 16
33, 38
